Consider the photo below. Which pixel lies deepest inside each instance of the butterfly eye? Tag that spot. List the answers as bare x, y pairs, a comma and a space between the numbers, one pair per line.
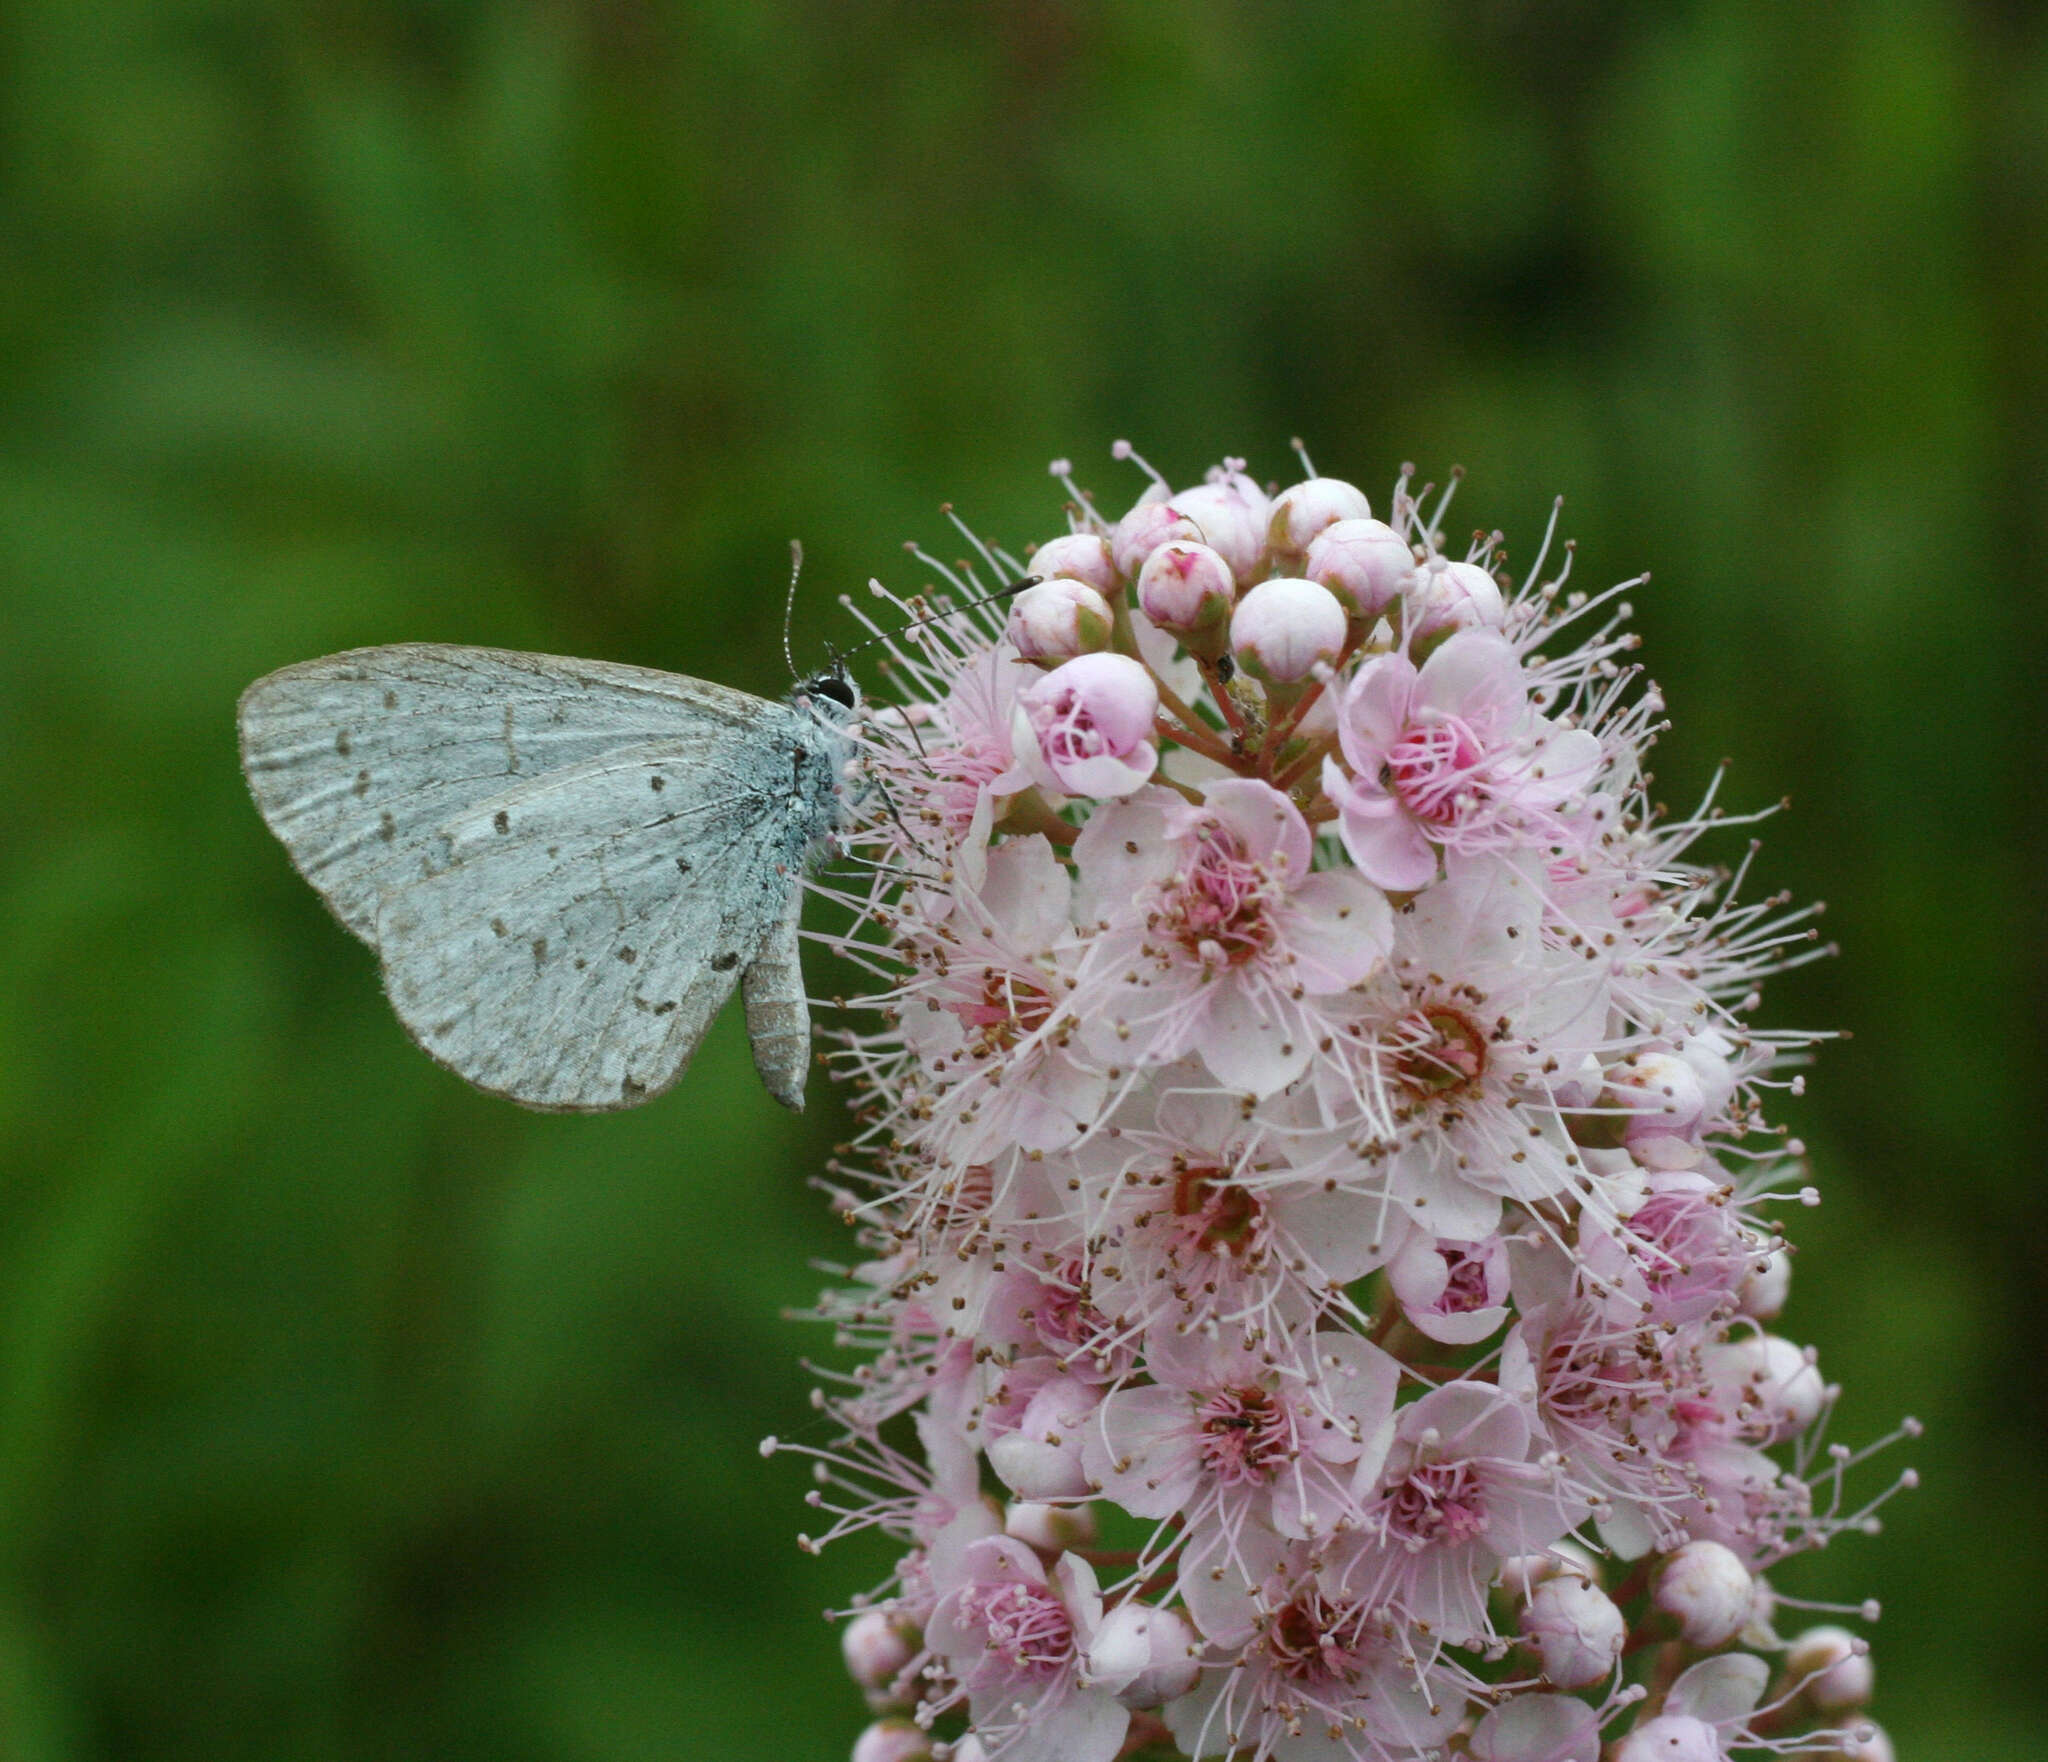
832, 685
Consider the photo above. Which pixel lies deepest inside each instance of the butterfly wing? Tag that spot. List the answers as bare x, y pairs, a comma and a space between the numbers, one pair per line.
357, 760
565, 865
579, 932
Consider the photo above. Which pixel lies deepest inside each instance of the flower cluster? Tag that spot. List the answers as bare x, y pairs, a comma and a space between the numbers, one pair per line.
1312, 1173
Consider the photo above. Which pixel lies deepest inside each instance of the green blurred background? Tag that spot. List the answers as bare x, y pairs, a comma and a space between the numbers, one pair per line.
347, 1414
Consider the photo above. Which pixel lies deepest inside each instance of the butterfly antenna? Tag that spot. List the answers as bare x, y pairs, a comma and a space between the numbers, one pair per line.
796, 568
1001, 593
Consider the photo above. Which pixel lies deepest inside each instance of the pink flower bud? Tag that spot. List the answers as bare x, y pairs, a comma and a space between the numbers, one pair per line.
1081, 556
893, 1740
1709, 1591
1764, 1292
1537, 1728
1051, 1529
1575, 1630
1150, 524
1041, 1459
1308, 509
1283, 630
1059, 619
876, 1646
1147, 1656
1453, 596
1230, 513
1187, 589
1672, 1737
1087, 726
1365, 563
1836, 1665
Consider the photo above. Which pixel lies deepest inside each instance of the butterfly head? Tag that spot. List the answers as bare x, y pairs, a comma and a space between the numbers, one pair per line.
833, 694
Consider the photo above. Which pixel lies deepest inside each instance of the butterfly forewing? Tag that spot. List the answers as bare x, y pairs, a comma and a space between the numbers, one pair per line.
355, 760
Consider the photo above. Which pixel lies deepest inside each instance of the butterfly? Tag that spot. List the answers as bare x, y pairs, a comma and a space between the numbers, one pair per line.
564, 866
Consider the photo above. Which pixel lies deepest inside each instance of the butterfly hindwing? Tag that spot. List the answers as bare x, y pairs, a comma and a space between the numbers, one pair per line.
578, 932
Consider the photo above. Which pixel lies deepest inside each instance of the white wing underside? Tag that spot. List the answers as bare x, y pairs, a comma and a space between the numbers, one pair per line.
565, 865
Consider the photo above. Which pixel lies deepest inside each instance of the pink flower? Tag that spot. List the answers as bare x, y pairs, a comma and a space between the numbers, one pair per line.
1222, 1440
1452, 755
1455, 1292
1198, 1221
1461, 1491
983, 1010
1015, 1638
1321, 1674
1086, 727
1215, 936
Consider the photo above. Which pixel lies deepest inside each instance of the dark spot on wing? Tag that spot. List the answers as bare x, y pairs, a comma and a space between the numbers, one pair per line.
631, 1089
657, 783
497, 926
662, 1009
724, 963
341, 743
362, 783
540, 951
501, 821
682, 865
581, 963
629, 955
391, 700
387, 827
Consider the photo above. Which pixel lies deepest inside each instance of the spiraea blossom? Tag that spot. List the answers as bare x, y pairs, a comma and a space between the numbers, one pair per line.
1315, 1193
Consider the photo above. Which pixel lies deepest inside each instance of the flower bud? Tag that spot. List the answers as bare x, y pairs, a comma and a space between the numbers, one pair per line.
1520, 1574
1862, 1742
1453, 596
1283, 630
1150, 524
1187, 590
1537, 1728
1574, 1629
876, 1646
1148, 1656
1230, 513
1059, 619
1041, 1459
1305, 511
1080, 556
1051, 1529
1708, 1589
1764, 1292
1088, 724
1671, 1737
1365, 563
1667, 1104
1836, 1665
893, 1740
1771, 1380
